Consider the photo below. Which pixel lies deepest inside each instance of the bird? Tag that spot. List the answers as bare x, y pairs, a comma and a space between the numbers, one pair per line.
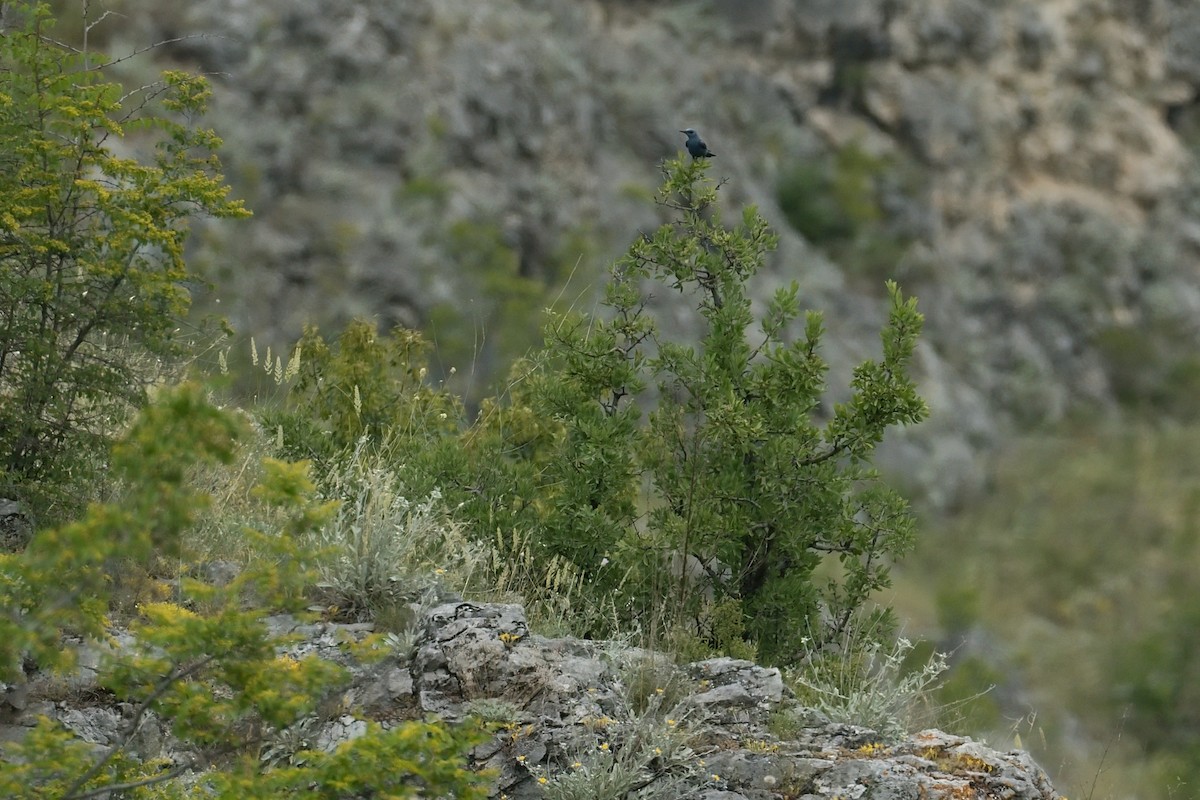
695, 145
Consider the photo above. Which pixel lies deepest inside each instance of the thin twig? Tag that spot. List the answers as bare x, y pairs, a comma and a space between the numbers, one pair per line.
162, 777
164, 685
1104, 756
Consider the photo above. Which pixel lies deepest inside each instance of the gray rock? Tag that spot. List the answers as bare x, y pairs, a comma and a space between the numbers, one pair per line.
14, 696
1035, 38
219, 573
1183, 42
474, 651
735, 691
959, 29
16, 526
759, 771
100, 726
343, 729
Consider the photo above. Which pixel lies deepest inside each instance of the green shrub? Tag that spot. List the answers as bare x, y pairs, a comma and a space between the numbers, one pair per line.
805, 196
363, 409
91, 249
729, 485
361, 385
718, 628
836, 205
831, 202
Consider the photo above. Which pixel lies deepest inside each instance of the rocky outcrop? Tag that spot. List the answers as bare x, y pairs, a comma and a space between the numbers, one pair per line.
558, 688
16, 526
720, 729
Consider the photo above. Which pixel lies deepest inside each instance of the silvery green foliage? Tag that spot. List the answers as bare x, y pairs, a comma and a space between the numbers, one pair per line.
383, 548
869, 686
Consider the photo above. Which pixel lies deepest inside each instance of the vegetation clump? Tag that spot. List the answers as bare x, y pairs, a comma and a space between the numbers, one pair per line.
703, 493
692, 475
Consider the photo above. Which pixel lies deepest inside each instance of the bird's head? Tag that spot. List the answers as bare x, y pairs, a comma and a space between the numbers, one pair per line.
689, 131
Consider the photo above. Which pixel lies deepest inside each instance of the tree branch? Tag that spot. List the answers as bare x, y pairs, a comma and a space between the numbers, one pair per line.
163, 687
104, 791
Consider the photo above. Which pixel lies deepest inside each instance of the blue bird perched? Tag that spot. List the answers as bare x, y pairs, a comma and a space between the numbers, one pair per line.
696, 146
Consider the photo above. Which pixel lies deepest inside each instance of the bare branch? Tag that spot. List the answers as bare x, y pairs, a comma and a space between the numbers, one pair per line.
105, 791
837, 449
176, 675
157, 45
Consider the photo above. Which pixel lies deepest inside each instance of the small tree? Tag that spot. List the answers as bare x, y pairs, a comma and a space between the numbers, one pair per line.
91, 242
744, 481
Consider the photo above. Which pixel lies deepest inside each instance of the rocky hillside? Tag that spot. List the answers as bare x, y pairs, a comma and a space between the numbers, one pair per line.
1026, 167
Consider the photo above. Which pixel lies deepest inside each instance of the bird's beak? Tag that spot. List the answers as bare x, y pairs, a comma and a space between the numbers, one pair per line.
683, 131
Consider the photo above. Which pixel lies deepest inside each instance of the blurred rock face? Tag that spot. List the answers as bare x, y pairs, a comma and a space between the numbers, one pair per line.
1027, 168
